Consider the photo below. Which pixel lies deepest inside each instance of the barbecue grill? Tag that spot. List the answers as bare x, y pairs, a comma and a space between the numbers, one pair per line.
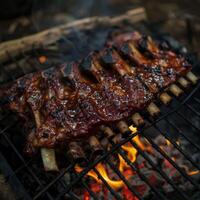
178, 124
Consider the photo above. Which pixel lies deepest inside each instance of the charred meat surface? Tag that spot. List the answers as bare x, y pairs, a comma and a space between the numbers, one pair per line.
68, 102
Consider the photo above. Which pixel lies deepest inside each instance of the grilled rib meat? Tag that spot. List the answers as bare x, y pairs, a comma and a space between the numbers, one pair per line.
70, 101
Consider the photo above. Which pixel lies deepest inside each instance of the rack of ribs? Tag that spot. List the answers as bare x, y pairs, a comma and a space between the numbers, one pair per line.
69, 102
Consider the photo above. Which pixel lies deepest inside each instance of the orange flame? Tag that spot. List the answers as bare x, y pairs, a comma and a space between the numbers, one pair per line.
131, 154
193, 172
102, 171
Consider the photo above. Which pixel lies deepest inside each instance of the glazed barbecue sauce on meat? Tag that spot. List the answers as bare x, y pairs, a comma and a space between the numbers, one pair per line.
107, 86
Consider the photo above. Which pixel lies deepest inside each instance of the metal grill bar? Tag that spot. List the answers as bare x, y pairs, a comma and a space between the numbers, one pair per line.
189, 122
42, 191
182, 134
19, 169
193, 110
197, 100
7, 127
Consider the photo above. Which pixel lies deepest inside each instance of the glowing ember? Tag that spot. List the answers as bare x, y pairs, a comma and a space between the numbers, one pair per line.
168, 142
193, 172
42, 59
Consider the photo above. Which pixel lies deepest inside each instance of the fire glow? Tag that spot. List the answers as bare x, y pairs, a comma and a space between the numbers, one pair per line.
124, 167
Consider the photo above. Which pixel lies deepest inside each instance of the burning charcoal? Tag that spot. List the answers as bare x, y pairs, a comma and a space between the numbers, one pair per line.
160, 140
158, 156
183, 82
153, 159
123, 127
155, 179
192, 77
186, 186
165, 98
175, 90
167, 188
153, 109
137, 119
140, 160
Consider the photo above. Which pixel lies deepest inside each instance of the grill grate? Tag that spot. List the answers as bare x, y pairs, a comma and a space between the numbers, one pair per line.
42, 185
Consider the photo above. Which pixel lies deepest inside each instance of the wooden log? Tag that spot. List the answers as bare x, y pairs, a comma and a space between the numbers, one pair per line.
50, 36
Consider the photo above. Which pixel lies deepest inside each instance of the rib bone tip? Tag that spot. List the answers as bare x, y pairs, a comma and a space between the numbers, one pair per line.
192, 77
183, 82
165, 98
137, 119
175, 90
153, 109
123, 127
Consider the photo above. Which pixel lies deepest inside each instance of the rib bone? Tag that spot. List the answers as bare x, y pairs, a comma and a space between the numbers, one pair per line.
137, 119
183, 82
48, 158
95, 146
123, 127
175, 90
153, 109
192, 77
165, 98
